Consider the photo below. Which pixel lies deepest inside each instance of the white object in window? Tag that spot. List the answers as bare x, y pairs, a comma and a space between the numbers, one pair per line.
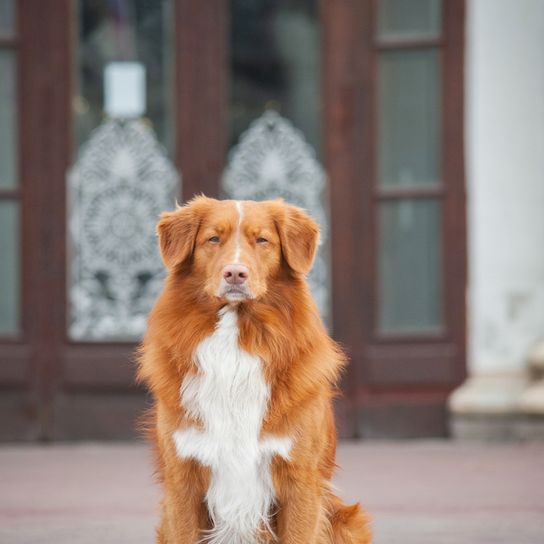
124, 89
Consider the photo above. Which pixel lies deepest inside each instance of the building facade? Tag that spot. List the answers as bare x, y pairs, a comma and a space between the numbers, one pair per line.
504, 143
412, 130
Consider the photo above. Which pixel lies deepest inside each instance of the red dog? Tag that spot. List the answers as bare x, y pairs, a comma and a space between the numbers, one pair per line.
243, 373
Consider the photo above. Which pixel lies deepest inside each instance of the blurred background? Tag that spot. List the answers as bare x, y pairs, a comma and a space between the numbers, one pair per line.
413, 130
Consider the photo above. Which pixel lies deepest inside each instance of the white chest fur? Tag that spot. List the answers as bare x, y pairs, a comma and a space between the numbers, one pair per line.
230, 396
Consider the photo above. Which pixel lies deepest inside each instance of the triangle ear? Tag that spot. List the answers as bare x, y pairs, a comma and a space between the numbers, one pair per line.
177, 231
299, 236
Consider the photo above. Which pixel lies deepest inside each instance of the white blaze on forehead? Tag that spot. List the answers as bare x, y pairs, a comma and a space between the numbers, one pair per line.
238, 234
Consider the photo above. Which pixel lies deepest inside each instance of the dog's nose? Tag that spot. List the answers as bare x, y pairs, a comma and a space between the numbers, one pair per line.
235, 274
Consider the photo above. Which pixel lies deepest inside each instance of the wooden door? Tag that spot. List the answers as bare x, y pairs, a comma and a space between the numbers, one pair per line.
395, 158
32, 290
383, 88
318, 65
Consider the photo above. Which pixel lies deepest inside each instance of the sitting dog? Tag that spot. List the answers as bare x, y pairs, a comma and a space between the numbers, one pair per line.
243, 374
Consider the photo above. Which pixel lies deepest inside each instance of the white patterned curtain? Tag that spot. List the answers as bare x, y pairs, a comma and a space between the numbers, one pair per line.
120, 183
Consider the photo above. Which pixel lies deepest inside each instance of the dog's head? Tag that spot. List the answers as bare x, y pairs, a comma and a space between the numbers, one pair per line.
237, 248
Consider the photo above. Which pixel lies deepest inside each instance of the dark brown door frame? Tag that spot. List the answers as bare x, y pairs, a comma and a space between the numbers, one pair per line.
201, 42
30, 364
47, 137
399, 383
17, 401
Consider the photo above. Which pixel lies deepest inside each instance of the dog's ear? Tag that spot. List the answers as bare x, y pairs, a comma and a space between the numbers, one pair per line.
299, 236
177, 231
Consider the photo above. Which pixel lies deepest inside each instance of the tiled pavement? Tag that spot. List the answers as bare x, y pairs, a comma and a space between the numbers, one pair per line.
416, 492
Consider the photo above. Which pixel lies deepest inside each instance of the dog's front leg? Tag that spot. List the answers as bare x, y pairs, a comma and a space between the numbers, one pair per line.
299, 514
184, 513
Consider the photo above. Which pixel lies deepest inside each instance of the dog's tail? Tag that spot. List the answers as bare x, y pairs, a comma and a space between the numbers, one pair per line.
349, 524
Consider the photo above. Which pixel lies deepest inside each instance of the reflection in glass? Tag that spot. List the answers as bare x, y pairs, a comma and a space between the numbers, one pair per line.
409, 117
409, 267
409, 18
275, 64
125, 30
8, 119
7, 17
9, 267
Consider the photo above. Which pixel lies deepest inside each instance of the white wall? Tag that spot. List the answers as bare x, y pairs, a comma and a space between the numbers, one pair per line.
505, 181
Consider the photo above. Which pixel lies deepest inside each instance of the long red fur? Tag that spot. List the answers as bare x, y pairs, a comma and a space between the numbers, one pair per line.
301, 364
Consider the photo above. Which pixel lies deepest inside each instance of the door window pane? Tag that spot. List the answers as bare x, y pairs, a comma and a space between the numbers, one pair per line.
275, 61
7, 17
122, 177
408, 18
274, 114
409, 265
409, 117
9, 267
124, 31
8, 119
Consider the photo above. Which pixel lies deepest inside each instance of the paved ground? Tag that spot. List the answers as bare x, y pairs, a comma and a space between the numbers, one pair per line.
416, 492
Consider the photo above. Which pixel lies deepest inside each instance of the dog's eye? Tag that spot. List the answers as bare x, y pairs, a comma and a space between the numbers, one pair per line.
214, 240
261, 240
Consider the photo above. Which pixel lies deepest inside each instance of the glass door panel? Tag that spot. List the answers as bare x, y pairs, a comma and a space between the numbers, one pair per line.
409, 117
8, 118
408, 18
7, 17
409, 167
131, 31
409, 268
9, 267
122, 177
9, 176
274, 114
275, 63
